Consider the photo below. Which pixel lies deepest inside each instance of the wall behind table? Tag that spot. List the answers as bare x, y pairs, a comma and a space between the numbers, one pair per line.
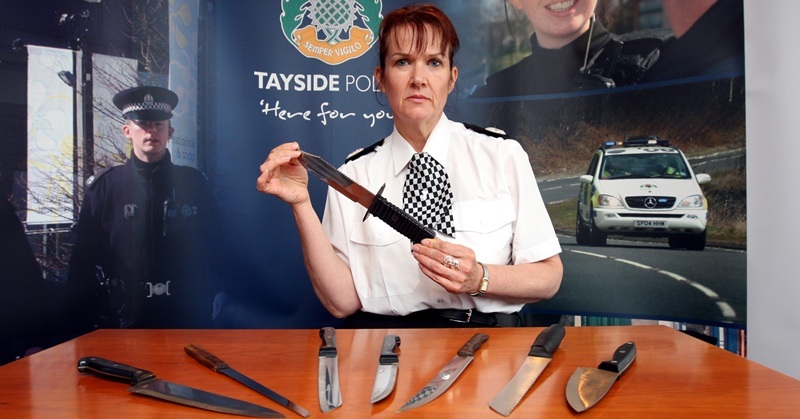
773, 97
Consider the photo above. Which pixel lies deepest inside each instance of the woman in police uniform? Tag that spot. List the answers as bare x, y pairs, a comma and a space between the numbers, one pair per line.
502, 252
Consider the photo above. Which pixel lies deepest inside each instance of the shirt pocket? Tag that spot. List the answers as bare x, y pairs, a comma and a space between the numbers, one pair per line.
381, 260
487, 227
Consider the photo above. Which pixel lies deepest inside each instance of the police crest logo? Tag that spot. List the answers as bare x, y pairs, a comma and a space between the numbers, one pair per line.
332, 31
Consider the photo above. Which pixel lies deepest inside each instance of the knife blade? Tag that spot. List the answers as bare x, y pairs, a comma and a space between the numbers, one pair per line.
587, 386
215, 364
375, 204
145, 383
388, 363
540, 354
447, 375
330, 396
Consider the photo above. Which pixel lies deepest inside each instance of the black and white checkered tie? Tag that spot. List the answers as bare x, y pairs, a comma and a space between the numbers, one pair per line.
427, 195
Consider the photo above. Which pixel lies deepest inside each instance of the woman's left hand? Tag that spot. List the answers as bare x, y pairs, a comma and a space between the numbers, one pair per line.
450, 265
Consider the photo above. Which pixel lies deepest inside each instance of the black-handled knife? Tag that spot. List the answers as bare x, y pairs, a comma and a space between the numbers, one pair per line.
376, 205
587, 386
145, 383
211, 361
388, 363
539, 356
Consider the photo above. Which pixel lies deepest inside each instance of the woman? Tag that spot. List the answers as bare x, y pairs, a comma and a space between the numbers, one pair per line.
364, 270
571, 50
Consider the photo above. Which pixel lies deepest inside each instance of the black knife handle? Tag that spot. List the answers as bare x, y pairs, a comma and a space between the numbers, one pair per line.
547, 342
389, 350
328, 348
623, 358
204, 357
398, 219
473, 344
114, 370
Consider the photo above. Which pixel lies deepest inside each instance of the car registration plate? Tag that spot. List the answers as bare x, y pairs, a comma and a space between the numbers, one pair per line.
650, 223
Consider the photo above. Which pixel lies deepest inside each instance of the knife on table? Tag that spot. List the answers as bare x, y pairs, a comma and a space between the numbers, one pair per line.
387, 368
145, 383
376, 205
447, 375
539, 356
587, 386
209, 360
330, 396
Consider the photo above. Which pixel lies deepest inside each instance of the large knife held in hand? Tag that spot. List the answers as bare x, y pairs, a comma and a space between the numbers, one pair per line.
145, 383
330, 396
587, 386
447, 375
538, 357
376, 205
386, 376
209, 360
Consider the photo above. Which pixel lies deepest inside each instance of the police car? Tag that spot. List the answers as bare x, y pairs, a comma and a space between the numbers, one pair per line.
642, 186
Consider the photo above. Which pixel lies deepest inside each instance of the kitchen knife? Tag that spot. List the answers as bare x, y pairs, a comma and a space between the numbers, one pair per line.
376, 205
387, 368
145, 383
447, 375
538, 357
330, 397
587, 386
209, 360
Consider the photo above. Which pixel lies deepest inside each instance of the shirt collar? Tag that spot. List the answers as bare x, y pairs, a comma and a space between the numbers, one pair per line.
437, 145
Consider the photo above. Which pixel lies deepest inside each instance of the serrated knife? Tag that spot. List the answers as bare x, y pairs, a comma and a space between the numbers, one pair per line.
215, 364
330, 396
587, 386
145, 383
540, 354
388, 364
447, 375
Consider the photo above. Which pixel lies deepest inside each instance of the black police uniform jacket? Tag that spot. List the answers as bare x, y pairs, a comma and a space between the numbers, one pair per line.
143, 249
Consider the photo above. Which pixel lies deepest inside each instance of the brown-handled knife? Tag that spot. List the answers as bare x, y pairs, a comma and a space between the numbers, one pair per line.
376, 205
145, 383
447, 375
538, 357
587, 386
209, 360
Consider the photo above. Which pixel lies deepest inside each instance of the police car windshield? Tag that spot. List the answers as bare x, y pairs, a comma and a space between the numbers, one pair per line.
644, 166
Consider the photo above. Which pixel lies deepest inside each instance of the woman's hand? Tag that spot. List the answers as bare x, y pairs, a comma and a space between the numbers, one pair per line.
450, 265
283, 176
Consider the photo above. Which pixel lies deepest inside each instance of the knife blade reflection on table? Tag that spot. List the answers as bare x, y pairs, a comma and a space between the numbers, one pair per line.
211, 361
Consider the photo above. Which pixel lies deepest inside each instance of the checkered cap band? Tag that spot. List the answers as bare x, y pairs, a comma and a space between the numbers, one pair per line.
427, 195
146, 106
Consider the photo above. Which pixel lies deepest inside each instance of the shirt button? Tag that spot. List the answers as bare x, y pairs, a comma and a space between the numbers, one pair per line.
440, 301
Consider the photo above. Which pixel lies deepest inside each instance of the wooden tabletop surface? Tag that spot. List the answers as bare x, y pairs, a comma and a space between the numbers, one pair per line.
673, 375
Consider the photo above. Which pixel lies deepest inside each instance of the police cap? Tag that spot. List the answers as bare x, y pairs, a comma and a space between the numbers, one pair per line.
146, 103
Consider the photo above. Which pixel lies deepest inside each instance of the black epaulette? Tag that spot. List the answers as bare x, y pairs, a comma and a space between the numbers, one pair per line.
98, 175
363, 151
492, 132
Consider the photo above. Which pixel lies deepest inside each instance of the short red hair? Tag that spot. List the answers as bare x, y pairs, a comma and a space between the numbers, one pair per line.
419, 18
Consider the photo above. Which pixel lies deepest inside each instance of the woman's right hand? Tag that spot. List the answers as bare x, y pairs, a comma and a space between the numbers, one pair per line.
283, 176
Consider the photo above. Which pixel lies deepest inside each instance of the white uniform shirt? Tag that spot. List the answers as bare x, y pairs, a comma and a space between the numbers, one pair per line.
497, 208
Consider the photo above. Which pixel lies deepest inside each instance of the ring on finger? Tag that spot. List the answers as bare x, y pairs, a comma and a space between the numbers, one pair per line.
451, 262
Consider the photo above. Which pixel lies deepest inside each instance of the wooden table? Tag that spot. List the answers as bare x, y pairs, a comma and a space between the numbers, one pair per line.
674, 375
